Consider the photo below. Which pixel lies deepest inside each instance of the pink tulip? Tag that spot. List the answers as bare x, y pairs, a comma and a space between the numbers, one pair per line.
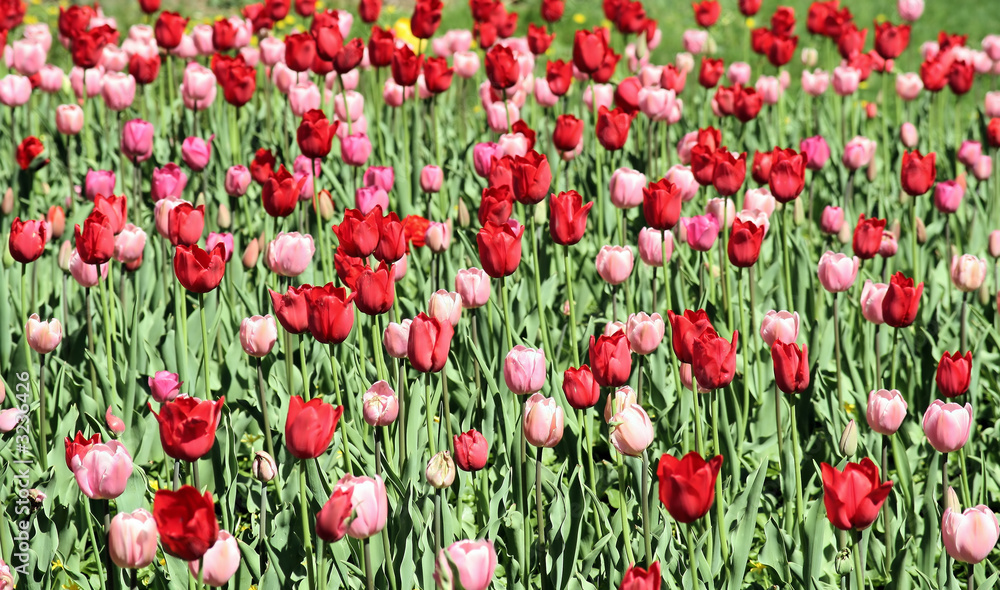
846, 80
9, 419
164, 386
769, 88
614, 264
644, 332
858, 152
816, 82
129, 244
543, 93
29, 57
756, 217
366, 198
992, 104
69, 119
198, 84
472, 562
683, 179
99, 182
445, 306
656, 103
948, 196
524, 370
132, 539
908, 135
258, 335
631, 430
167, 182
612, 328
543, 421
694, 40
872, 295
969, 537
473, 285
649, 75
723, 210
886, 411
226, 239
513, 144
220, 561
380, 176
759, 199
626, 188
39, 33
969, 152
303, 97
137, 140
994, 243
465, 63
369, 504
779, 326
684, 146
85, 274
197, 152
237, 180
14, 90
289, 254
605, 96
113, 59
909, 85
351, 108
482, 157
118, 90
947, 425
651, 246
396, 337
910, 10
50, 79
968, 272
499, 113
983, 168
272, 50
438, 236
102, 470
700, 231
816, 152
355, 149
43, 337
832, 220
90, 82
837, 272
431, 178
379, 404
738, 73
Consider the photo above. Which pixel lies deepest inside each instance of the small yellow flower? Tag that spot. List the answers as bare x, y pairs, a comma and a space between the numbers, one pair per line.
154, 485
71, 586
579, 19
477, 109
751, 23
320, 5
849, 407
863, 85
163, 562
403, 32
881, 18
607, 24
57, 564
756, 567
52, 10
30, 19
36, 2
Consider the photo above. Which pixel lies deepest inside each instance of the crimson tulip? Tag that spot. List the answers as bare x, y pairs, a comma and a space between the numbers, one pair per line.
199, 271
713, 360
185, 224
744, 243
359, 233
426, 18
581, 389
787, 176
502, 68
309, 427
185, 521
500, 248
291, 308
730, 172
187, 426
918, 172
954, 372
610, 359
567, 133
867, 237
901, 301
687, 485
853, 497
315, 134
791, 366
331, 313
531, 177
375, 290
429, 343
710, 72
27, 239
661, 204
471, 450
568, 217
612, 128
95, 243
685, 329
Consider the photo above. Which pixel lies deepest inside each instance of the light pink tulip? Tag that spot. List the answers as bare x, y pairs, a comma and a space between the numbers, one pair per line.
445, 306
969, 537
968, 272
69, 119
395, 338
846, 80
816, 82
684, 146
431, 178
226, 239
909, 85
137, 140
756, 217
39, 33
908, 135
90, 82
625, 188
50, 79
473, 285
760, 199
29, 56
948, 196
769, 88
631, 430
258, 335
983, 168
872, 295
102, 470
837, 272
524, 370
651, 246
657, 103
289, 254
644, 332
497, 115
910, 10
738, 73
969, 152
886, 411
220, 561
694, 40
85, 274
779, 326
272, 50
465, 63
832, 220
303, 97
682, 178
114, 58
132, 539
366, 198
614, 263
543, 421
129, 244
380, 405
9, 419
198, 83
723, 210
369, 504
858, 152
471, 562
14, 90
513, 144
947, 425
605, 96
43, 337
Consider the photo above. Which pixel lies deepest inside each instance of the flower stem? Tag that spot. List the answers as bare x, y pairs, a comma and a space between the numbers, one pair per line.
572, 310
93, 541
646, 520
205, 349
836, 346
623, 510
540, 518
106, 312
859, 568
369, 573
797, 453
306, 537
895, 356
692, 560
719, 508
431, 443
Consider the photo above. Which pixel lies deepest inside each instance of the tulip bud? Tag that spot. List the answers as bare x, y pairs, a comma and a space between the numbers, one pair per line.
798, 212
849, 440
264, 467
65, 254
843, 562
951, 500
8, 260
845, 234
984, 293
995, 243
872, 169
921, 232
251, 253
325, 205
440, 471
8, 201
463, 214
35, 499
224, 219
541, 212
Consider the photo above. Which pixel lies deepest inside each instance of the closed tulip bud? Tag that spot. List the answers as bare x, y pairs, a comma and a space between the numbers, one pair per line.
471, 451
644, 332
995, 243
837, 272
473, 285
951, 500
543, 421
264, 468
832, 220
908, 135
445, 306
102, 470
379, 403
885, 411
7, 204
289, 254
466, 564
258, 335
524, 370
251, 253
325, 205
631, 430
431, 178
65, 255
395, 338
131, 540
614, 264
967, 272
921, 232
849, 440
779, 326
440, 472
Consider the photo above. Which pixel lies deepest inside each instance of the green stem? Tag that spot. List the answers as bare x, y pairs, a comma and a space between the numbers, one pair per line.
719, 508
895, 357
538, 285
305, 369
369, 572
780, 434
429, 419
205, 349
836, 346
572, 310
796, 449
106, 313
785, 257
540, 518
623, 510
506, 315
859, 568
692, 560
745, 415
93, 541
646, 520
306, 537
699, 446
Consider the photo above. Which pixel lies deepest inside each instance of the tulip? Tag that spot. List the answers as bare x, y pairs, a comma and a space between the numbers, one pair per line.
164, 386
947, 425
614, 264
445, 306
187, 426
132, 539
918, 172
185, 521
853, 497
440, 472
69, 119
837, 272
631, 430
379, 404
258, 335
759, 199
832, 220
701, 231
471, 451
568, 217
868, 237
714, 360
543, 421
524, 370
438, 236
264, 468
858, 153
638, 578
816, 82
428, 343
473, 285
651, 246
102, 470
969, 537
196, 152
310, 426
968, 272
687, 485
885, 411
779, 326
86, 275
137, 140
167, 182
199, 271
27, 239
220, 561
43, 337
626, 188
954, 373
396, 337
472, 563
289, 254
368, 504
872, 295
431, 178
500, 248
610, 359
901, 301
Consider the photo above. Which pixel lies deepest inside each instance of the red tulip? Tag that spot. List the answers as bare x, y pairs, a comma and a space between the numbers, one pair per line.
538, 39
375, 290
87, 47
783, 20
144, 69
710, 72
223, 35
500, 248
661, 204
748, 104
791, 366
300, 51
187, 426
531, 177
730, 172
867, 237
960, 77
946, 41
703, 164
349, 268
761, 168
334, 519
315, 134
612, 128
853, 497
471, 451
713, 360
918, 172
685, 329
391, 240
567, 133
185, 224
673, 78
687, 485
291, 309
496, 205
610, 359
27, 239
502, 69
185, 521
954, 372
706, 12
278, 9
359, 233
993, 132
568, 217
627, 95
851, 40
559, 75
934, 73
381, 47
437, 74
891, 40
95, 243
331, 313
552, 10
309, 427
348, 58
603, 74
262, 166
280, 193
305, 8
27, 151
589, 48
901, 301
637, 578
429, 343
79, 446
787, 176
405, 66
502, 172
76, 18
581, 389
199, 271
369, 10
725, 99
744, 243
426, 18
240, 83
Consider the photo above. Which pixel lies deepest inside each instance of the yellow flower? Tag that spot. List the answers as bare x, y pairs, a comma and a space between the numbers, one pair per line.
751, 23
71, 586
154, 485
863, 85
756, 567
881, 18
849, 407
607, 24
57, 564
52, 10
579, 18
30, 19
403, 32
36, 2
